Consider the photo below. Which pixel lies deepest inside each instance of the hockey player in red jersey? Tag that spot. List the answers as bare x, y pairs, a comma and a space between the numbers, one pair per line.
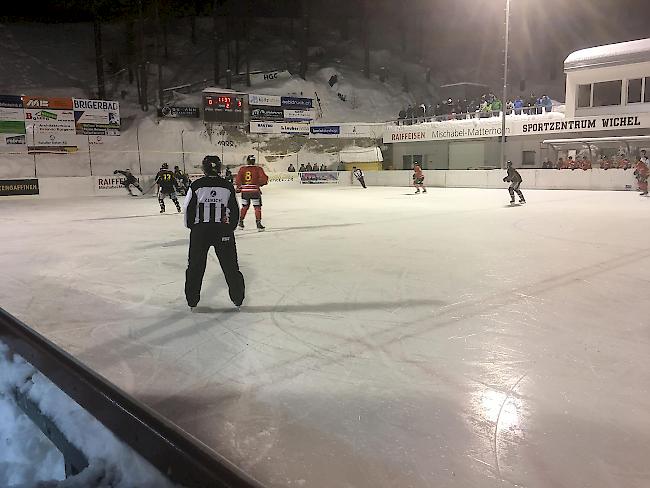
249, 180
418, 179
642, 172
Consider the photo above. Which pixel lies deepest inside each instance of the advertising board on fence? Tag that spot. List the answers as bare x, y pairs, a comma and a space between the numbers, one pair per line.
12, 120
297, 102
298, 115
346, 131
319, 177
96, 117
279, 128
269, 76
266, 113
18, 187
179, 112
268, 100
52, 122
283, 177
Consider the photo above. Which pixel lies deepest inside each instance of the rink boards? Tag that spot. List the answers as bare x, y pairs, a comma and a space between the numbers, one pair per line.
543, 179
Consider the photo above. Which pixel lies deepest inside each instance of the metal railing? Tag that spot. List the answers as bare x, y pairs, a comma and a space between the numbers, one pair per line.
479, 114
176, 455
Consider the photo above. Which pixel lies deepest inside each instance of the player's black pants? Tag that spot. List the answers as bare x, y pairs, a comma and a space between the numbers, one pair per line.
514, 187
222, 238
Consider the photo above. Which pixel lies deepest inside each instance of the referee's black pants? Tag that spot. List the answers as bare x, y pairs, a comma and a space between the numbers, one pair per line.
222, 238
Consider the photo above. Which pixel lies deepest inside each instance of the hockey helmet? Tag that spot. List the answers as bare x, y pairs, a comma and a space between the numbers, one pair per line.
211, 165
176, 167
250, 159
164, 166
509, 163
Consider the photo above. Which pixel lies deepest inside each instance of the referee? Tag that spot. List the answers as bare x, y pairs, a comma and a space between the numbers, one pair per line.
211, 213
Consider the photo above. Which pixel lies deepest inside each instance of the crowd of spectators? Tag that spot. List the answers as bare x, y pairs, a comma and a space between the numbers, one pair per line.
306, 168
620, 161
488, 105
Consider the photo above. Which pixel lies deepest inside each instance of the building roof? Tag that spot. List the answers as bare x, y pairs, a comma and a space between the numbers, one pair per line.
609, 55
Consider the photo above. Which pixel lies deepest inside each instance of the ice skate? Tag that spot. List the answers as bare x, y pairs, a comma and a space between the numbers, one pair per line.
192, 309
512, 202
522, 201
241, 224
162, 210
260, 227
424, 190
178, 208
417, 191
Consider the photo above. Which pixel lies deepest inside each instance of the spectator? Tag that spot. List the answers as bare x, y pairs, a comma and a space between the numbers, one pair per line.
308, 167
572, 164
409, 112
547, 103
402, 114
228, 176
604, 162
496, 105
323, 168
291, 168
341, 166
585, 164
302, 168
518, 105
560, 164
644, 157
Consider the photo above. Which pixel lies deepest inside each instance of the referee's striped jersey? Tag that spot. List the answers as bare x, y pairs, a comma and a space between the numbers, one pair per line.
211, 199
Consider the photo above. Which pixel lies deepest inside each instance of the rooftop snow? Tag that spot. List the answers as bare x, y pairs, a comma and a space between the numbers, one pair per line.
609, 55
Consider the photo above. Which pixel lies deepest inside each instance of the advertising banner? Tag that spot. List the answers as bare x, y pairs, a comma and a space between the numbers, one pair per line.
476, 129
298, 115
319, 177
52, 122
106, 183
296, 102
284, 177
279, 128
96, 117
18, 187
347, 131
179, 112
268, 100
318, 131
269, 76
12, 120
266, 113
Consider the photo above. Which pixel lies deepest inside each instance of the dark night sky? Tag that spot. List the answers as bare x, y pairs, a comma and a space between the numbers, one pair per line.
448, 35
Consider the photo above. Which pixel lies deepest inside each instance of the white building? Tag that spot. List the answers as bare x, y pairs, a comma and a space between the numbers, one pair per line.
607, 96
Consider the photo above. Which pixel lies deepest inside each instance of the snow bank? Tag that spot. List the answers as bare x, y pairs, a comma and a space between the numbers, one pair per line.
27, 459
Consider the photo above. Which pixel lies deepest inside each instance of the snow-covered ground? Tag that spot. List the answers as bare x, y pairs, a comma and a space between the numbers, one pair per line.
28, 458
387, 339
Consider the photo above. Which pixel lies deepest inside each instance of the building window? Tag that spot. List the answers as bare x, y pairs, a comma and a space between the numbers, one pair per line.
584, 96
646, 97
634, 90
528, 158
607, 93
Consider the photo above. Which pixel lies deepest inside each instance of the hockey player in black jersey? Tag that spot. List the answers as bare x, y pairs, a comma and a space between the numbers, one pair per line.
129, 180
515, 180
167, 186
211, 214
182, 179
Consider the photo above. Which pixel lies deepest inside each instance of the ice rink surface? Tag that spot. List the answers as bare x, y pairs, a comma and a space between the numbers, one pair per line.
387, 339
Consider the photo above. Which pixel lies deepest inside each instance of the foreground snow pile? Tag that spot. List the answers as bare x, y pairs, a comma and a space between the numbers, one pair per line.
26, 456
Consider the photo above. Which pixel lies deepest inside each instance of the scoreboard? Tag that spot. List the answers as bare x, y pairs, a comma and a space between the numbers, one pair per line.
223, 107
